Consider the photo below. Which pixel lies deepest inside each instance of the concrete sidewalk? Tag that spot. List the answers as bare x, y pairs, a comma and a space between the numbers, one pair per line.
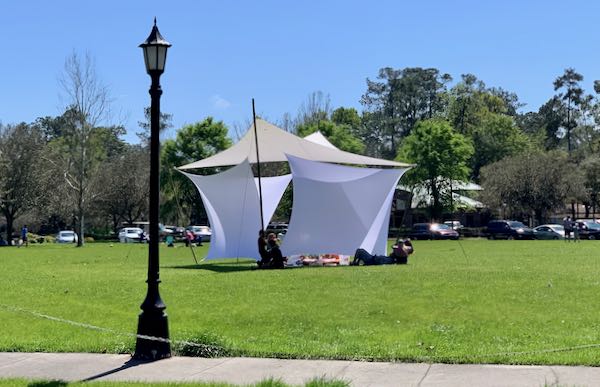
85, 366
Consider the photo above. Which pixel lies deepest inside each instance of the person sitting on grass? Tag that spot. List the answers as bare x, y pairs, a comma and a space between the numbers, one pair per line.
277, 259
265, 257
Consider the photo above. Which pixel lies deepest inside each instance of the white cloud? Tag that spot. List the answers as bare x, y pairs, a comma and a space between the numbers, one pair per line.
220, 102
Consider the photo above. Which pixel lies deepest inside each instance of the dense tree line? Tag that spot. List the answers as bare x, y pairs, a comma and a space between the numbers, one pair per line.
74, 170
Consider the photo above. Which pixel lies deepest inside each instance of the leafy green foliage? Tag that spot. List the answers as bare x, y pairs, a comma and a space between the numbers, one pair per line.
399, 100
21, 186
338, 135
441, 155
193, 142
496, 137
533, 183
572, 94
201, 345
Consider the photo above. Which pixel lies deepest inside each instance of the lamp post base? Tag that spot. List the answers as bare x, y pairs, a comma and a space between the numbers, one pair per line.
155, 325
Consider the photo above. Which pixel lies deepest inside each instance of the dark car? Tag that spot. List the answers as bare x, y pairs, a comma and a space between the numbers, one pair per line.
588, 229
432, 231
277, 228
508, 229
178, 233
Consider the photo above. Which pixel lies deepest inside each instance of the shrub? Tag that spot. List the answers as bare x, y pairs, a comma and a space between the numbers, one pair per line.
202, 345
49, 238
88, 239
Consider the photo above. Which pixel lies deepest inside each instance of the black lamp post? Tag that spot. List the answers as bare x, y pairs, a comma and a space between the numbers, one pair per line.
153, 326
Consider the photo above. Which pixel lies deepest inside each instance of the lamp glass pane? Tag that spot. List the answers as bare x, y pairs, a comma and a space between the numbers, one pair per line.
151, 58
145, 49
161, 57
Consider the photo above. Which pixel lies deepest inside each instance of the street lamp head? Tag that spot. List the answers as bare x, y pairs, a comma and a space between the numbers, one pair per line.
155, 51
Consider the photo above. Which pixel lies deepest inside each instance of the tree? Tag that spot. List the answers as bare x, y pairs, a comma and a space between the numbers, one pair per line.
441, 156
317, 107
165, 122
572, 94
591, 173
544, 125
346, 116
466, 104
21, 149
81, 153
533, 183
402, 98
127, 178
193, 142
338, 135
494, 138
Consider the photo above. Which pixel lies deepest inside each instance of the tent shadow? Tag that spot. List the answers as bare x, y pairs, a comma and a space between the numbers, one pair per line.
216, 267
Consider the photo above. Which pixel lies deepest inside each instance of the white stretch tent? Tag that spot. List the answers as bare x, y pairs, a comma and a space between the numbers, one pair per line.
274, 143
318, 138
338, 209
231, 202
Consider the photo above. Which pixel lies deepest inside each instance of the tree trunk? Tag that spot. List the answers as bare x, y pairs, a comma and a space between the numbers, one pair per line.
539, 216
81, 224
10, 220
587, 211
435, 206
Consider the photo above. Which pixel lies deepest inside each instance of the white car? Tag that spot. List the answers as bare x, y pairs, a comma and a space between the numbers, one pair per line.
454, 224
130, 234
66, 236
201, 233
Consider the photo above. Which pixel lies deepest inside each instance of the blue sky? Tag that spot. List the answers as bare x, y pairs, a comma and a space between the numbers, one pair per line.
227, 52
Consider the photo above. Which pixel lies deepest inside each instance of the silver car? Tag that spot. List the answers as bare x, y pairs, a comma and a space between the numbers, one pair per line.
549, 231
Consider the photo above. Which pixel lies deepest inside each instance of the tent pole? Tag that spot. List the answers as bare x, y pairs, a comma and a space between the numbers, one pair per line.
260, 199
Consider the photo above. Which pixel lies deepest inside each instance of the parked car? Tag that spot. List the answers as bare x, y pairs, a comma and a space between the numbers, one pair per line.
588, 229
201, 233
131, 234
66, 236
454, 224
549, 231
276, 227
508, 229
178, 233
432, 231
281, 234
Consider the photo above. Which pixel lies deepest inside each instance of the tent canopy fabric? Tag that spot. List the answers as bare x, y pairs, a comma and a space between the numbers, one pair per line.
232, 205
338, 209
274, 143
318, 138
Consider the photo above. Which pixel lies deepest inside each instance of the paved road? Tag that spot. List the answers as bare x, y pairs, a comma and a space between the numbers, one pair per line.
85, 366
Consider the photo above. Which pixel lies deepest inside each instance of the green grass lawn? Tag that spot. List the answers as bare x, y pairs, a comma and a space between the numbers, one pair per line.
473, 301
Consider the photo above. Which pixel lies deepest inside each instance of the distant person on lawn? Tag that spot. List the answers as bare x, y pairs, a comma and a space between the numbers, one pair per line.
277, 259
263, 251
575, 231
24, 236
568, 225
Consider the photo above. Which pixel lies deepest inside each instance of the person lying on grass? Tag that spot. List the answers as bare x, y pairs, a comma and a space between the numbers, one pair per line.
401, 250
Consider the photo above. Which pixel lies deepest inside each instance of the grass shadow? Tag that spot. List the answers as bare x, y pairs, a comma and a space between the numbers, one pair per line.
52, 383
216, 267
